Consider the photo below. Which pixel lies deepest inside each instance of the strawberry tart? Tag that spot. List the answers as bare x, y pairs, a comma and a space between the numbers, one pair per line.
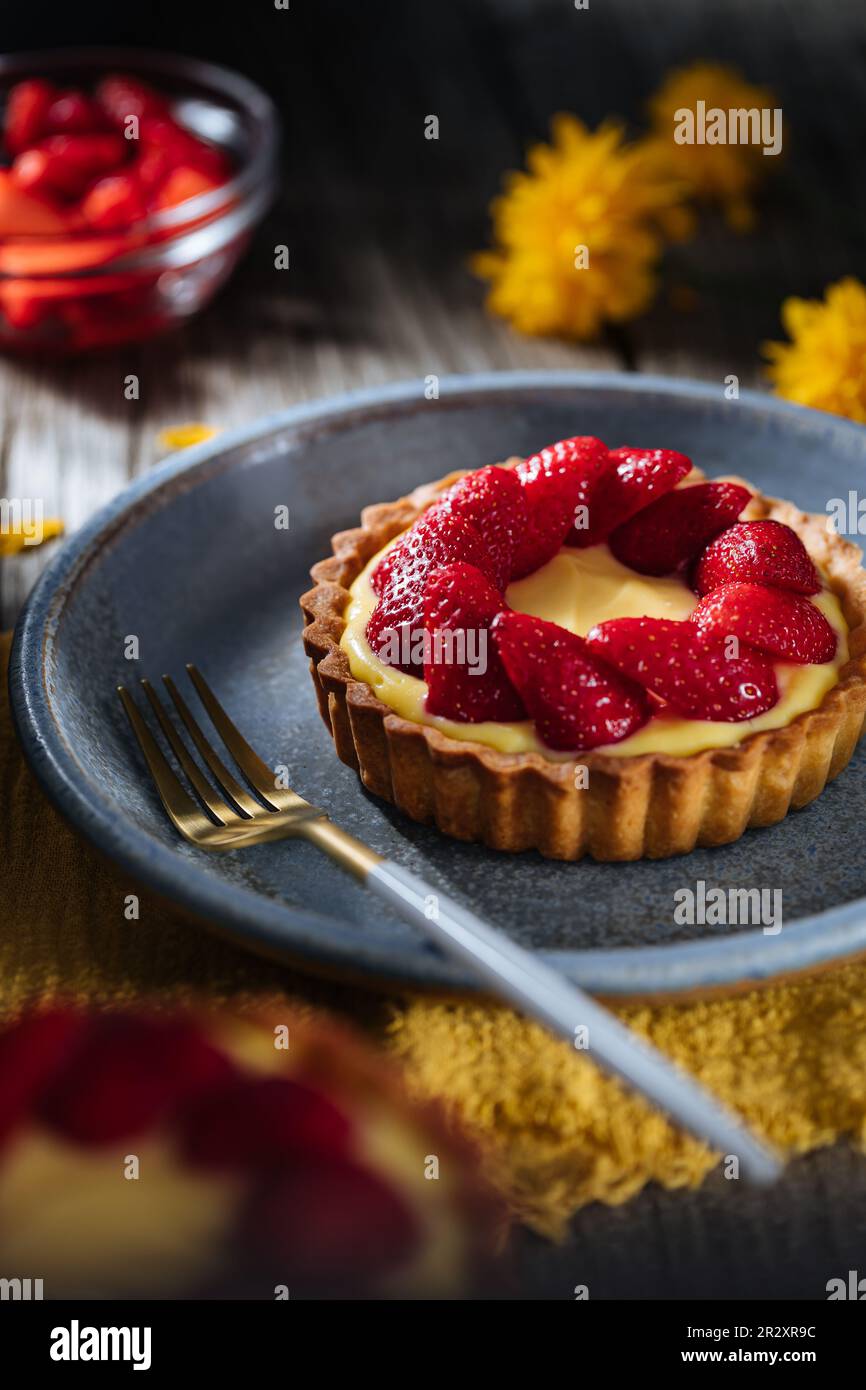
591, 651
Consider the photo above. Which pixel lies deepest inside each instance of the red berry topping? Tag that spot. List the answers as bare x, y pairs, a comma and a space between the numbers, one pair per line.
74, 113
328, 1222
381, 573
555, 483
180, 147
31, 173
396, 626
113, 203
785, 625
121, 97
180, 184
260, 1121
669, 532
493, 500
692, 670
762, 552
635, 478
127, 1074
26, 214
32, 1050
465, 676
577, 701
27, 108
152, 168
66, 164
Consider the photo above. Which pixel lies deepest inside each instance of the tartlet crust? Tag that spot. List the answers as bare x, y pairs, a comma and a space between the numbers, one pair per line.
651, 806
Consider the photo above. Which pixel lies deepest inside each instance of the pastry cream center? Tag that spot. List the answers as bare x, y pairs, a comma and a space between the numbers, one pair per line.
577, 589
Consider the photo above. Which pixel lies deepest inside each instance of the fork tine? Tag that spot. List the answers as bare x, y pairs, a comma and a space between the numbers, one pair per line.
230, 785
181, 808
247, 759
205, 792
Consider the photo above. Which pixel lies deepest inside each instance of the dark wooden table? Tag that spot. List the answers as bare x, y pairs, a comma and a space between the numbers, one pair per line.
380, 223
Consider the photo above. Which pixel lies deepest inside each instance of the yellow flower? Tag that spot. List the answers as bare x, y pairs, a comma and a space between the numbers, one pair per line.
184, 436
20, 536
725, 174
824, 365
577, 236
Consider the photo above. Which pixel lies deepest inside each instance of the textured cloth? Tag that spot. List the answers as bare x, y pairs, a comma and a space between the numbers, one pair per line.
556, 1132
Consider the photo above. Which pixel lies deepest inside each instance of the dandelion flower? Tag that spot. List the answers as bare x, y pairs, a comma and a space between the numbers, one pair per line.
184, 436
577, 236
18, 536
824, 364
724, 174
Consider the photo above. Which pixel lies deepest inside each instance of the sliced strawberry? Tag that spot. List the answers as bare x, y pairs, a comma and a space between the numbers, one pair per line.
27, 107
669, 533
464, 673
180, 184
180, 147
577, 701
785, 625
246, 1121
66, 164
555, 482
432, 528
493, 500
152, 168
31, 173
760, 552
32, 1051
121, 97
26, 214
691, 669
113, 203
127, 1074
326, 1222
635, 478
381, 573
395, 628
74, 113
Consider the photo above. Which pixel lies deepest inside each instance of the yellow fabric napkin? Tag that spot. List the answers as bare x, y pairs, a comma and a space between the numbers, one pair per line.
556, 1132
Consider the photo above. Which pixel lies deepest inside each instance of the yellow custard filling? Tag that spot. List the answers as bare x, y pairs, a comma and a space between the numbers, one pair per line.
577, 589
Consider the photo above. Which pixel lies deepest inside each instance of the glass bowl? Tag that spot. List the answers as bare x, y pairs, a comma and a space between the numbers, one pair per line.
81, 290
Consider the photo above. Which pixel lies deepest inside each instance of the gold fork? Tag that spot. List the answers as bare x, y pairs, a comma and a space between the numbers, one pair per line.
233, 818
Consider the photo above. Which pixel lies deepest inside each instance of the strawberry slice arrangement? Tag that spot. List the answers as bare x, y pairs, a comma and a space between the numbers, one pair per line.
688, 668
461, 602
98, 161
666, 535
575, 700
396, 629
634, 478
447, 576
556, 483
765, 552
785, 625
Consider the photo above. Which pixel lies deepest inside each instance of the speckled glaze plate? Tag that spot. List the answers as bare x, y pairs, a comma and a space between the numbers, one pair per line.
189, 560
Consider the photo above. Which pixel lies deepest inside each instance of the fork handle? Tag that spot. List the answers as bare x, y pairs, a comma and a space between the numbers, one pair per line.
537, 989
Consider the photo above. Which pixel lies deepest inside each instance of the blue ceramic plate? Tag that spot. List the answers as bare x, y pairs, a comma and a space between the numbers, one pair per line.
188, 560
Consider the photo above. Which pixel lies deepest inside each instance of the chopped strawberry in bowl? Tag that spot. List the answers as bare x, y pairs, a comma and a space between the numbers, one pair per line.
130, 184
